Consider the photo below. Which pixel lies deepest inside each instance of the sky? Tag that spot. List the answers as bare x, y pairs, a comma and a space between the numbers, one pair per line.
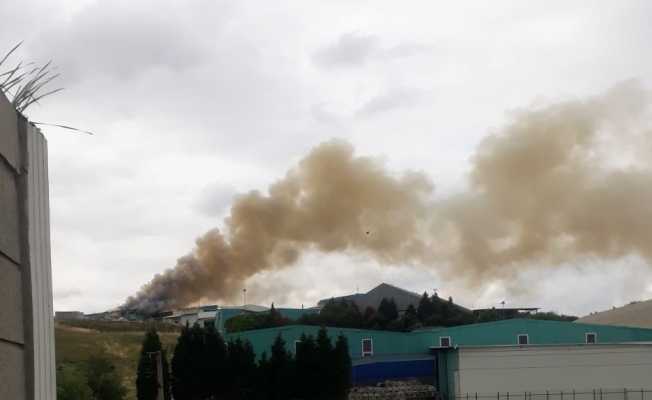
195, 102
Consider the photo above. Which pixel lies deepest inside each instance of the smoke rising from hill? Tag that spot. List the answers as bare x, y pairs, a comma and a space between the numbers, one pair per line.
558, 182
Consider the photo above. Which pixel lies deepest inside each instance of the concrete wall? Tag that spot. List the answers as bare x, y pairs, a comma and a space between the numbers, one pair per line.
26, 328
583, 368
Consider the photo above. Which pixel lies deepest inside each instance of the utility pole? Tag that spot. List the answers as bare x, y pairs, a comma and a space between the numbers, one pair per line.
244, 296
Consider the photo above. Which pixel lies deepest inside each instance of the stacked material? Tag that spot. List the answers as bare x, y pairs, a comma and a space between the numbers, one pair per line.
394, 390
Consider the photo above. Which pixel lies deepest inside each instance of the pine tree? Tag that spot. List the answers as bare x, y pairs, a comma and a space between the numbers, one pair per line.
308, 368
147, 385
281, 370
182, 371
342, 365
327, 360
425, 309
213, 362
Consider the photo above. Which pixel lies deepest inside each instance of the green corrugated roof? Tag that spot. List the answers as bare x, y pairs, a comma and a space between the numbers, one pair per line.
500, 333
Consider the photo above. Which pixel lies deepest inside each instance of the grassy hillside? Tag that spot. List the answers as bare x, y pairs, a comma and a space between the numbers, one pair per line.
119, 341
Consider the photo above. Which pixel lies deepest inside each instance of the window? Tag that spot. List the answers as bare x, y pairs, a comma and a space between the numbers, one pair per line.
444, 341
591, 338
367, 347
297, 346
523, 339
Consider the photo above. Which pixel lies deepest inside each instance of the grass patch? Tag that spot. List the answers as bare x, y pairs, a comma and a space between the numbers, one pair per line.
75, 343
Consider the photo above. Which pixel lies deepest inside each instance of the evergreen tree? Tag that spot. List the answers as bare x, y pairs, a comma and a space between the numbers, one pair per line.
342, 366
281, 371
425, 309
308, 369
410, 318
182, 371
241, 372
213, 360
369, 317
147, 385
327, 360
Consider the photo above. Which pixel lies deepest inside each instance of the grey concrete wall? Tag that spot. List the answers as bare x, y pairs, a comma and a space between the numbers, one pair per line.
26, 328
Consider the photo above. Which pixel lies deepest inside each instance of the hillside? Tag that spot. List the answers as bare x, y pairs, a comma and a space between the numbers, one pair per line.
76, 341
636, 314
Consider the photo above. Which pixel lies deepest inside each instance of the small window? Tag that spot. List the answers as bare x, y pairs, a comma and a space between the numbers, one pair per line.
297, 346
523, 339
367, 347
444, 341
591, 338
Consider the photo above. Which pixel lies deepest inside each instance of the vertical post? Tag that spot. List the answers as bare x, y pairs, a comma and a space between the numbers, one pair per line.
625, 393
573, 394
547, 395
561, 395
600, 393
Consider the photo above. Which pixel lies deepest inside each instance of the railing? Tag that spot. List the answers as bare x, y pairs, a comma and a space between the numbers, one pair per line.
595, 394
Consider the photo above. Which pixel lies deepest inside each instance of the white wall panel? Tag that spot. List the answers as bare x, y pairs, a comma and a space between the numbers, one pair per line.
40, 264
488, 371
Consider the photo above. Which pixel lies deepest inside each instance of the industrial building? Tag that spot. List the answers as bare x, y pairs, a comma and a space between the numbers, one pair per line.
515, 356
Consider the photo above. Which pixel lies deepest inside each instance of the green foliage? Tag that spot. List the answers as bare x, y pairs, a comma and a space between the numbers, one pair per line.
71, 384
281, 371
147, 385
103, 380
121, 326
241, 370
552, 316
259, 320
181, 367
341, 368
213, 360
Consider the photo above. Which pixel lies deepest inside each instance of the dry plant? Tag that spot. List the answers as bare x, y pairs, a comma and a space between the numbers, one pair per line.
26, 83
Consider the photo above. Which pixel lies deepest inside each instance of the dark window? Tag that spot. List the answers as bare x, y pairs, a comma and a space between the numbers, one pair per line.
445, 341
523, 339
591, 338
297, 346
367, 347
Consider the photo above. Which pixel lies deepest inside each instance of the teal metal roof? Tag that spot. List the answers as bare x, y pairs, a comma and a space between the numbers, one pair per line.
540, 332
418, 343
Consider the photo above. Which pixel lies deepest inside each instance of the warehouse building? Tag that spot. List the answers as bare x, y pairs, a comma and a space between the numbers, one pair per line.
517, 356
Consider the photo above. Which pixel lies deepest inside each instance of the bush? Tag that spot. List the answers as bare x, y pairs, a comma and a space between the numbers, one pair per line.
71, 384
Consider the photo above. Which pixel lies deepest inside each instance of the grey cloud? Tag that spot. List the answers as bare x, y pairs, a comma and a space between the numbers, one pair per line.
355, 49
67, 293
351, 49
121, 40
391, 100
215, 199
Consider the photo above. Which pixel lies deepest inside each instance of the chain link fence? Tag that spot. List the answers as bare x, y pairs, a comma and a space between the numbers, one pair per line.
595, 394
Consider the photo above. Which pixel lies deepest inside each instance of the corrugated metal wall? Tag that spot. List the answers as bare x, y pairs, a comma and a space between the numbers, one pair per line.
40, 264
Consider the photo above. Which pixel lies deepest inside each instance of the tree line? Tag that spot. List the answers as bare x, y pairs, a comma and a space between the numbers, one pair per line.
430, 311
205, 367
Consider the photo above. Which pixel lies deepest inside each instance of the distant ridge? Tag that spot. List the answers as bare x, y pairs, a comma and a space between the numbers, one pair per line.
636, 314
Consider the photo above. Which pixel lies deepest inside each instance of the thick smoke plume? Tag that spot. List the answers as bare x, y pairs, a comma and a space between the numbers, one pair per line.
560, 182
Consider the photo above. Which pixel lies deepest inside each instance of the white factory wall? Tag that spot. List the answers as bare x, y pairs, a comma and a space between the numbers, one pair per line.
490, 370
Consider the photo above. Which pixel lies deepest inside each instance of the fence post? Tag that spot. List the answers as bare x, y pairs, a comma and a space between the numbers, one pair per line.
476, 395
573, 394
547, 395
561, 395
600, 393
467, 395
625, 393
507, 395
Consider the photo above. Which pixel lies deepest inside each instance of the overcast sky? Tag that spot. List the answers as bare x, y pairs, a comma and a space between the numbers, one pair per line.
195, 101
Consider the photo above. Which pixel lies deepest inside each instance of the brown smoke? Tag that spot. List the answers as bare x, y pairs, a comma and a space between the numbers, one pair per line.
558, 182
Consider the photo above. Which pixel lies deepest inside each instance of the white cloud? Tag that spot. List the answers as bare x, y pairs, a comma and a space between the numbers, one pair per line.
189, 101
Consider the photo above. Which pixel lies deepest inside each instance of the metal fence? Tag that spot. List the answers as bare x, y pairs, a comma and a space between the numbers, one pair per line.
595, 394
